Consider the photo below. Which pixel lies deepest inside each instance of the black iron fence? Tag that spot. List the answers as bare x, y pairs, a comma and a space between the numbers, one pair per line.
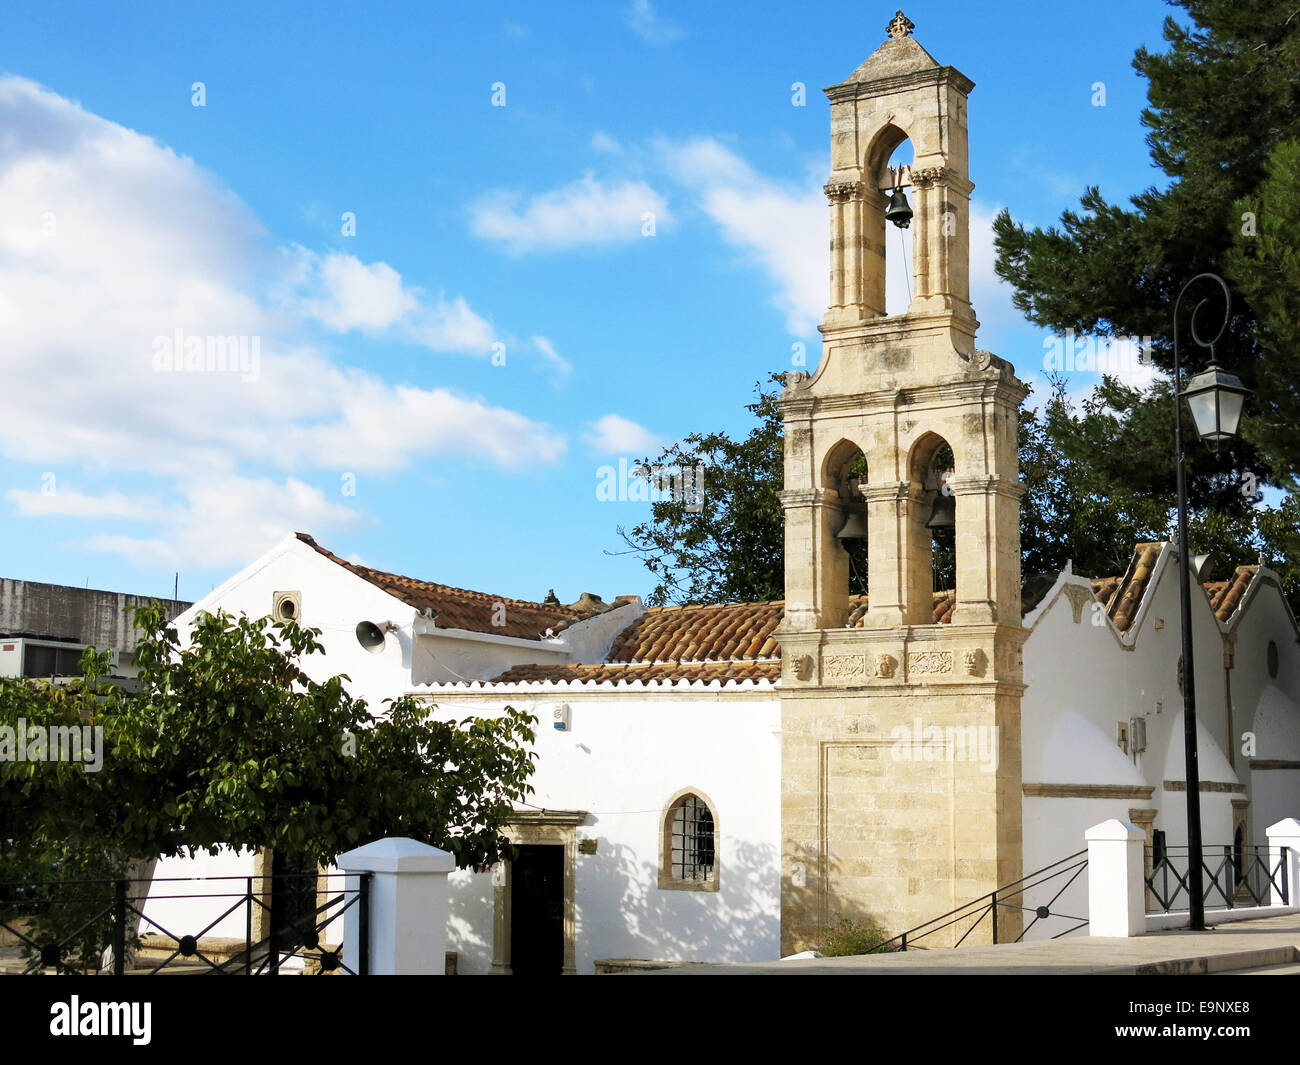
1009, 912
290, 922
1240, 876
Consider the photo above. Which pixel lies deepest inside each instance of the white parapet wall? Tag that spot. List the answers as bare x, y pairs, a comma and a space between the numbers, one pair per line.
1117, 886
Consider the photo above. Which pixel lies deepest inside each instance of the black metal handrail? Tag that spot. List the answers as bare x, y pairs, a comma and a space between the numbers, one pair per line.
1069, 868
1241, 874
115, 901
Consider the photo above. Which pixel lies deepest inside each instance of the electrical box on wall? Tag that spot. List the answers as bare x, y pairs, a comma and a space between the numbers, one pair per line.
586, 846
1137, 733
560, 717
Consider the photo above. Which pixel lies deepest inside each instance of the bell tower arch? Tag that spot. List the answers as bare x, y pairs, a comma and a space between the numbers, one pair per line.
867, 827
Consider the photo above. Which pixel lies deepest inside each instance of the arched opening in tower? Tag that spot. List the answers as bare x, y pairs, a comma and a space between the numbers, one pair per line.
933, 469
899, 239
846, 474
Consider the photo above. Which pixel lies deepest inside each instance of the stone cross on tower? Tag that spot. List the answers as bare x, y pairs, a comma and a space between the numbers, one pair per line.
894, 393
900, 25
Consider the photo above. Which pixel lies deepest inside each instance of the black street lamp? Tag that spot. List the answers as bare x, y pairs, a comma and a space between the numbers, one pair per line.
1215, 399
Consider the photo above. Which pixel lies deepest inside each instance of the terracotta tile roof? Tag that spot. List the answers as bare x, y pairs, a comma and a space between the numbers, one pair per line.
1123, 595
729, 632
731, 641
460, 608
769, 669
1225, 596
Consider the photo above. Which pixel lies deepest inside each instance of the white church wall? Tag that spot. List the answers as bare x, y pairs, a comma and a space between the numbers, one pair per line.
1266, 710
1081, 683
622, 760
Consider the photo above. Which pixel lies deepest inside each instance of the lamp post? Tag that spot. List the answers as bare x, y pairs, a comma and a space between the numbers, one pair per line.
1215, 399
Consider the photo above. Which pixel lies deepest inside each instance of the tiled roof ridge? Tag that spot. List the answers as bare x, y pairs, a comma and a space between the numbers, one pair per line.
369, 571
761, 683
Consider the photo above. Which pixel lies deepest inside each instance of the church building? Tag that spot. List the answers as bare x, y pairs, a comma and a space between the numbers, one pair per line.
718, 783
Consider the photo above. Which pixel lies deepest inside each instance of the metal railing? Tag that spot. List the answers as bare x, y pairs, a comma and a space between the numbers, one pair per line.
57, 924
1243, 876
1060, 875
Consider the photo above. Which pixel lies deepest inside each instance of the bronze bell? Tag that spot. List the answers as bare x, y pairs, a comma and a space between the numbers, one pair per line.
898, 212
854, 529
943, 515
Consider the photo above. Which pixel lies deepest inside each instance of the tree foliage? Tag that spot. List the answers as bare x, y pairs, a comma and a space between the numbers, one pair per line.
227, 741
1222, 106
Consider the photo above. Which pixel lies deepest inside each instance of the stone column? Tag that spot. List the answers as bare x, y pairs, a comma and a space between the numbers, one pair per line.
408, 907
871, 244
1116, 892
837, 244
1286, 833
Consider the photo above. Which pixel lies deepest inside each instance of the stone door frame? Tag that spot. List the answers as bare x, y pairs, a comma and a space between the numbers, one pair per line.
537, 828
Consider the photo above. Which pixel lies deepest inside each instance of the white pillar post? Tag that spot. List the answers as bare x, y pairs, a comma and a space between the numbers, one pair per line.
1116, 890
1286, 833
408, 907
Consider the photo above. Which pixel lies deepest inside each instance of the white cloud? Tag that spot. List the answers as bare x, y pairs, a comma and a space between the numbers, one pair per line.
605, 144
357, 296
225, 521
72, 504
649, 25
584, 212
350, 294
557, 362
616, 435
781, 227
109, 240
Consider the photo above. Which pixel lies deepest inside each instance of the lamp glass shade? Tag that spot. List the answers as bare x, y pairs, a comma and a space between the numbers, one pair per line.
1216, 399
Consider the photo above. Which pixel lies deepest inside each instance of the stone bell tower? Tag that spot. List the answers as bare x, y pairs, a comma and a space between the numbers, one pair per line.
900, 732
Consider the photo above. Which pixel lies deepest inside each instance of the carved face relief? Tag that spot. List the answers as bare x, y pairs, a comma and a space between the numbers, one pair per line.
886, 665
974, 662
802, 667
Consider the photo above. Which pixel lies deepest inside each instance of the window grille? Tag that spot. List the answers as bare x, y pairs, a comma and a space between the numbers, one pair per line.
692, 841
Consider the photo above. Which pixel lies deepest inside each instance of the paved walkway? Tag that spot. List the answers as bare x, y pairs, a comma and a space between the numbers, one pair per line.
1240, 945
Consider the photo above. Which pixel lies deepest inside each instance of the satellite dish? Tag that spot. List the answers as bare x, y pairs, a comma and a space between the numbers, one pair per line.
371, 636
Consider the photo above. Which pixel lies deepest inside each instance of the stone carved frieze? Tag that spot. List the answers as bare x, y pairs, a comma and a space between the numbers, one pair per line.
843, 667
929, 662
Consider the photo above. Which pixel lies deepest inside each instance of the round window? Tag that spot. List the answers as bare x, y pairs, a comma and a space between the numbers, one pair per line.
1272, 659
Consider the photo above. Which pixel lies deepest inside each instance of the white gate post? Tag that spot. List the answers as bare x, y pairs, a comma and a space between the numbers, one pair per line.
1116, 884
1286, 833
408, 907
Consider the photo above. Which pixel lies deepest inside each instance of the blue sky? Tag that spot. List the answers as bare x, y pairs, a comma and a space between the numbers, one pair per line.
376, 416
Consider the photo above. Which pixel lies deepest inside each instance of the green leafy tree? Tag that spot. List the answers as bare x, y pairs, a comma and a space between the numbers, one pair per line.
723, 545
1222, 124
227, 741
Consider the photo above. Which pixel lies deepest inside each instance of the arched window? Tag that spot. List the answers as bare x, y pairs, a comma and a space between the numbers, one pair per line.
689, 847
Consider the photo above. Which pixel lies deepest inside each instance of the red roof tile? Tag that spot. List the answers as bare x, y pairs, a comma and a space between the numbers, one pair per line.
460, 608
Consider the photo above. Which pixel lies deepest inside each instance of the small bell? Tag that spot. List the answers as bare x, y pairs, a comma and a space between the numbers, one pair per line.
943, 515
898, 212
854, 529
